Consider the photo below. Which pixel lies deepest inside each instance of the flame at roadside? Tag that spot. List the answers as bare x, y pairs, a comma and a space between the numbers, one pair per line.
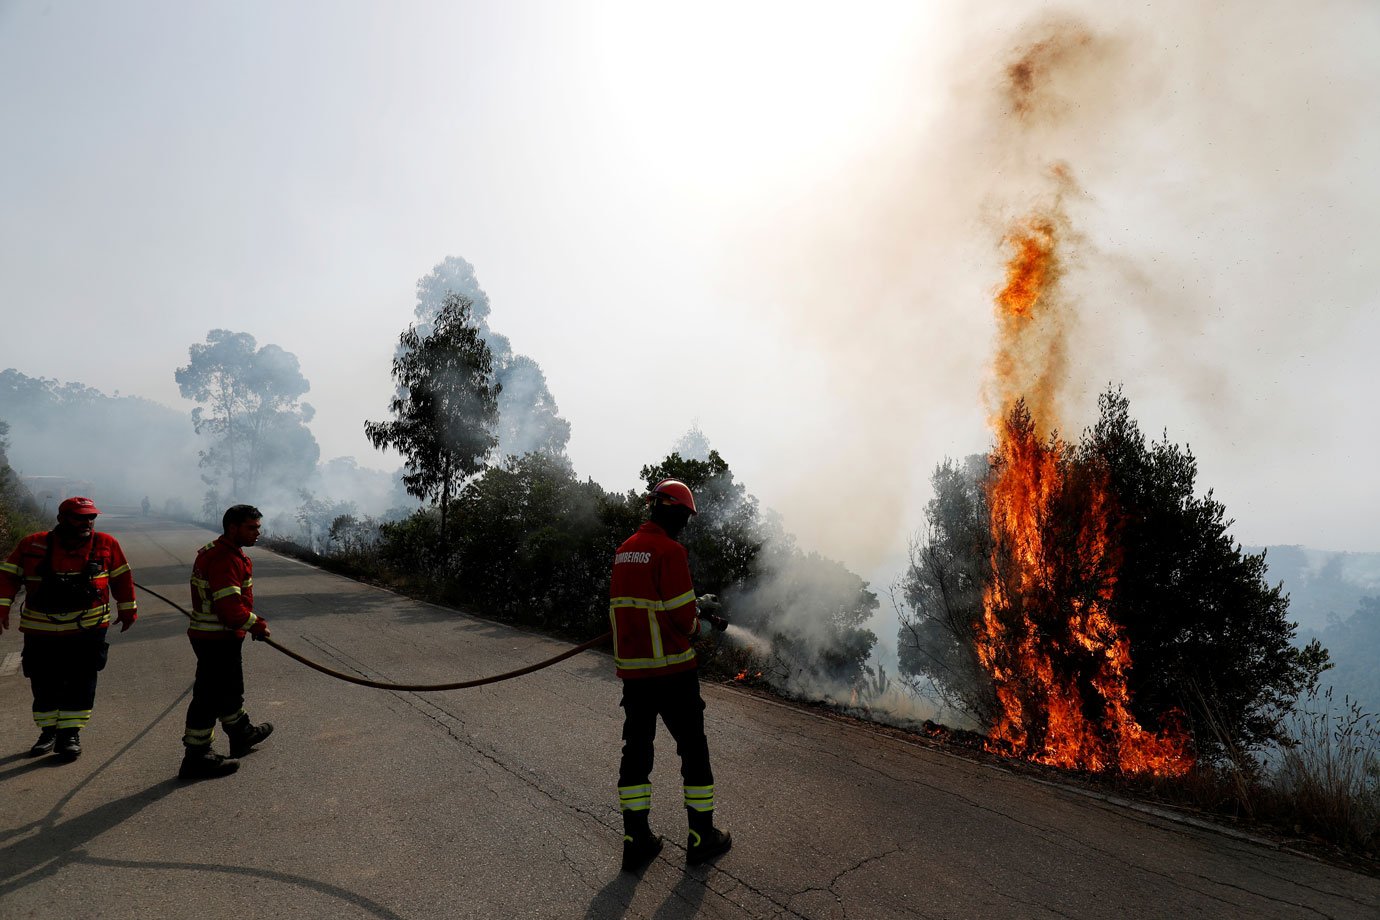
1058, 660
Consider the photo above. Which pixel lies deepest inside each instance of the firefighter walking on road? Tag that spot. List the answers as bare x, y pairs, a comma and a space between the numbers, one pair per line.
655, 620
222, 612
69, 575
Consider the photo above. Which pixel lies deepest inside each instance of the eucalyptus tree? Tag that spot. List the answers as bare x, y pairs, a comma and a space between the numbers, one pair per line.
445, 407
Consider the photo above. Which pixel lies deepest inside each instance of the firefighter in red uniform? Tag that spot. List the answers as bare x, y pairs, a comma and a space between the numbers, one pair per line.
222, 611
655, 620
68, 574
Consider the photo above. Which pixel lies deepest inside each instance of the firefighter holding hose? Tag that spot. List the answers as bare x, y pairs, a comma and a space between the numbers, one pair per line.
655, 621
222, 612
69, 574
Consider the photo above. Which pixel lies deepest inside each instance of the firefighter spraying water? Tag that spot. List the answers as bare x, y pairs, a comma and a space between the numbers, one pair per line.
655, 617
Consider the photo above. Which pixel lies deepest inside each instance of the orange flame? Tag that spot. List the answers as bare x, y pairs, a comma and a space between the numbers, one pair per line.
1058, 661
1032, 351
1031, 270
741, 675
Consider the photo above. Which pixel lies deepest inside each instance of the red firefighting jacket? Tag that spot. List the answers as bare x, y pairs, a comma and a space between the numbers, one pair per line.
222, 592
652, 606
53, 612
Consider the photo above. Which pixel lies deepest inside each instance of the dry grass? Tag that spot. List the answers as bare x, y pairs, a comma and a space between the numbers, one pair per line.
1327, 783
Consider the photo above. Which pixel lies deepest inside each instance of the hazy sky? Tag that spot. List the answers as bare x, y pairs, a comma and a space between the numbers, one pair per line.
782, 220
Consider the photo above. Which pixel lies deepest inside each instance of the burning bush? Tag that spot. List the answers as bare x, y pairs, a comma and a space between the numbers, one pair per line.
1119, 601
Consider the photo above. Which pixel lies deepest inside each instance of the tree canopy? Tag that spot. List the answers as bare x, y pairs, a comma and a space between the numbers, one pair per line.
1207, 635
445, 407
528, 418
252, 411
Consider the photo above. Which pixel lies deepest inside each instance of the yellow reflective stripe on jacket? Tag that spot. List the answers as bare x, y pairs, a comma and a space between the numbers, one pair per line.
655, 629
676, 603
641, 664
6, 601
204, 618
208, 622
642, 603
127, 605
659, 657
38, 621
12, 569
646, 603
120, 571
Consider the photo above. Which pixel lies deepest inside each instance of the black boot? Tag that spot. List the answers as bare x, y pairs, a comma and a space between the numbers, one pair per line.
705, 840
47, 737
68, 743
640, 845
244, 735
203, 763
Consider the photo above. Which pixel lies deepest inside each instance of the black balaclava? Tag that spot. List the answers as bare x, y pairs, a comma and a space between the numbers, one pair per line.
670, 518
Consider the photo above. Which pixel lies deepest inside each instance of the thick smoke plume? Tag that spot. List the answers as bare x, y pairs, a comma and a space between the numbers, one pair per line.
1176, 125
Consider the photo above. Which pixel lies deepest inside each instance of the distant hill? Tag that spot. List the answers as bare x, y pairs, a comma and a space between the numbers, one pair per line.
1335, 598
1324, 588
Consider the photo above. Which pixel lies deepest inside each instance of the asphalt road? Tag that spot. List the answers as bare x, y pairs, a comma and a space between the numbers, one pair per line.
499, 802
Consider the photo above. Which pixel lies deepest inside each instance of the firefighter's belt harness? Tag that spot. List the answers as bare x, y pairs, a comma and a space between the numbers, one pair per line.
384, 685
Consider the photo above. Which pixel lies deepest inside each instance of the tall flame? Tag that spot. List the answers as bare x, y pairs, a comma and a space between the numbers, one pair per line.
1032, 352
1058, 660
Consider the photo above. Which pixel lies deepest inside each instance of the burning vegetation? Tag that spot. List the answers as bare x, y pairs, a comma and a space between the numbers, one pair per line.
1058, 661
1077, 600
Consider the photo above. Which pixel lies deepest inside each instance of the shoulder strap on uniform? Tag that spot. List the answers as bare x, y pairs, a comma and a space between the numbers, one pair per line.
45, 568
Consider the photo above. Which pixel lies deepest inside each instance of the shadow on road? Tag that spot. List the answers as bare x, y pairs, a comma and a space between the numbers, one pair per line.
59, 843
27, 764
12, 758
684, 900
334, 891
57, 840
612, 901
28, 860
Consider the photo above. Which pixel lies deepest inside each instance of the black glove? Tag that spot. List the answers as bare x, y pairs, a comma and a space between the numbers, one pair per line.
717, 621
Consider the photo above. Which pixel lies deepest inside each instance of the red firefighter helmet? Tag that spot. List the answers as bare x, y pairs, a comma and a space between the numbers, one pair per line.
78, 505
674, 492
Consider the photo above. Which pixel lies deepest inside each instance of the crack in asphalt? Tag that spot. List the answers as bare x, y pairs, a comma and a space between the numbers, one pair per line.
421, 705
829, 888
1049, 835
1337, 893
877, 857
1265, 897
1045, 907
1128, 810
449, 721
528, 780
799, 740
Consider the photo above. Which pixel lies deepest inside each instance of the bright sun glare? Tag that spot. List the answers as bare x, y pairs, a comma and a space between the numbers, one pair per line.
783, 92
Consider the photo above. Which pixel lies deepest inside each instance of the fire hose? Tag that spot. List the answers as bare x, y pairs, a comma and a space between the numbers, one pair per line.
384, 685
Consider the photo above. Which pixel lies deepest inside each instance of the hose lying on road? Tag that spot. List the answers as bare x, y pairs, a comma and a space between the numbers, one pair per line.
384, 685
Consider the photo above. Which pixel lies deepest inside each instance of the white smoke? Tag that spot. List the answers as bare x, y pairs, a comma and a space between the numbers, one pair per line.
1218, 158
528, 415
